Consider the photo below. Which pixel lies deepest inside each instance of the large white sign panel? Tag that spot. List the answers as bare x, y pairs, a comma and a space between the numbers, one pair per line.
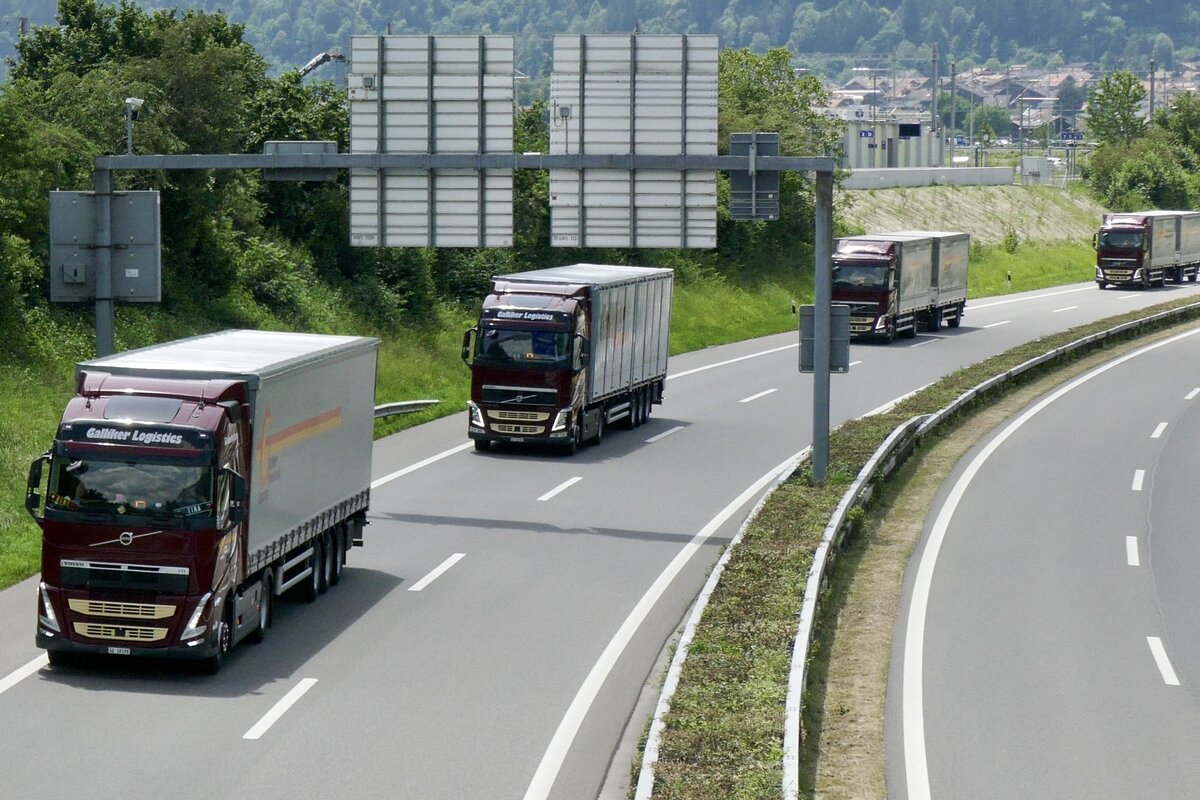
431, 94
639, 95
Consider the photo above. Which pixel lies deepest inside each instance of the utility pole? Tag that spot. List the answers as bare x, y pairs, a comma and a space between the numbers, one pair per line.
1151, 119
933, 116
953, 114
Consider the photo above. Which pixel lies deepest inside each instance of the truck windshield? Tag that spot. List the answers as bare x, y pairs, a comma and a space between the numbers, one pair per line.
523, 347
1126, 239
96, 485
860, 276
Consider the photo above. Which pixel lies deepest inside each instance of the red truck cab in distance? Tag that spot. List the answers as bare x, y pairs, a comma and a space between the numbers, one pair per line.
1146, 248
559, 354
189, 483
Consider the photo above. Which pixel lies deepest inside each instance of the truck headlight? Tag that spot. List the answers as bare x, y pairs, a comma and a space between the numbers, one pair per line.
476, 414
48, 619
194, 628
560, 421
881, 324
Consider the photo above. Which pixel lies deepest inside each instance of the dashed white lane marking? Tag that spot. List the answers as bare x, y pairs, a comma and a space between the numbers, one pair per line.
664, 434
1064, 308
279, 709
567, 484
754, 397
998, 324
436, 572
1160, 658
400, 473
1192, 394
732, 361
1139, 477
1162, 426
16, 676
856, 363
1128, 296
1131, 551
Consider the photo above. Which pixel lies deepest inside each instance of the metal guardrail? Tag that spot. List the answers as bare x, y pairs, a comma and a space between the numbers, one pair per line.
403, 407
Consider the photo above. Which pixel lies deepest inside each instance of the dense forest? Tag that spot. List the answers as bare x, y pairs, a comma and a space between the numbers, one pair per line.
822, 33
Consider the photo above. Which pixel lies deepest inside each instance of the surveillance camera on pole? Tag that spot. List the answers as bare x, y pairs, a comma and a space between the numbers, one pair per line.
133, 105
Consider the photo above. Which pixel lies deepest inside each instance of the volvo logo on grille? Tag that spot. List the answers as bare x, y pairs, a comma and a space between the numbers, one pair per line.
126, 538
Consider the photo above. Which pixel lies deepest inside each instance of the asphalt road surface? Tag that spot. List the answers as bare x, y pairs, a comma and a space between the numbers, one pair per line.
1049, 648
492, 638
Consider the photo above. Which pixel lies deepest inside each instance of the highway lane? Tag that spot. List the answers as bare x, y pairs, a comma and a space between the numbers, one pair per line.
1057, 655
458, 689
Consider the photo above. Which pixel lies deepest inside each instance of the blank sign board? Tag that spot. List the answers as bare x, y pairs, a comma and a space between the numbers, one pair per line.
645, 96
431, 94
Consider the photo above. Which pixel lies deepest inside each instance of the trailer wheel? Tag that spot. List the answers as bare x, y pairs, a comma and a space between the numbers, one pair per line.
326, 562
599, 436
1192, 277
338, 551
935, 319
307, 591
957, 320
264, 610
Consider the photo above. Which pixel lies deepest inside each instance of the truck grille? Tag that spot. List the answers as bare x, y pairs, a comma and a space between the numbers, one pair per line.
1118, 274
519, 395
520, 430
862, 324
101, 608
120, 633
519, 416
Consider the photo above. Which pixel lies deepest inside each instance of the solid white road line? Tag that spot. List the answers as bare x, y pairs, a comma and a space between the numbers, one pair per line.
564, 485
1066, 308
916, 763
664, 434
16, 676
414, 467
1192, 394
1164, 663
560, 743
754, 397
998, 324
1131, 551
1162, 426
732, 361
279, 709
1139, 477
436, 573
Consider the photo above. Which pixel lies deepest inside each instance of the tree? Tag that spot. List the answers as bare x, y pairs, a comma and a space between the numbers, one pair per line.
1113, 107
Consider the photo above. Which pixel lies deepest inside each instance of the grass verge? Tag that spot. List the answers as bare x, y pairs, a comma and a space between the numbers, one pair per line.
723, 735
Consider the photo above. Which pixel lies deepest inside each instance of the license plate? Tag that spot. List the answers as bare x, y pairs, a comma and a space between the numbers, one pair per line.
516, 438
118, 651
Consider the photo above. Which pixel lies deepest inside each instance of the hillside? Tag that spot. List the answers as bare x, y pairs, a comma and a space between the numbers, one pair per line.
1034, 213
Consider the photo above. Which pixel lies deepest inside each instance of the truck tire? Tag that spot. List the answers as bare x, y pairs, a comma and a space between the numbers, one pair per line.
482, 445
259, 635
1102, 284
60, 658
338, 540
1192, 276
935, 320
308, 591
576, 437
599, 435
327, 557
957, 320
212, 665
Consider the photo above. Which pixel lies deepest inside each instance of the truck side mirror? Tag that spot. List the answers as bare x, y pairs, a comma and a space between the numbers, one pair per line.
583, 352
33, 498
466, 346
237, 499
1095, 241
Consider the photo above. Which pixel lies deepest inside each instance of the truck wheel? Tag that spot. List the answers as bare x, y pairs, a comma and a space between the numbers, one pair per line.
599, 437
1145, 281
307, 591
935, 320
326, 562
213, 664
482, 445
59, 658
1102, 284
337, 551
957, 320
631, 421
576, 436
1191, 277
264, 611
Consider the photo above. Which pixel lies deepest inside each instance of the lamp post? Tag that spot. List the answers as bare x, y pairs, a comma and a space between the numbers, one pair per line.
133, 105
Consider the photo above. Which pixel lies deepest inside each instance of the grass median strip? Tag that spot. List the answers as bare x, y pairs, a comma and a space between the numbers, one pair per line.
723, 734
